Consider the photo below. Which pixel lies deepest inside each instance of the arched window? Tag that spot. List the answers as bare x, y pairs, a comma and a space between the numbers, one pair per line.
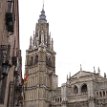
48, 61
84, 88
58, 99
36, 59
97, 93
104, 93
31, 60
100, 94
75, 89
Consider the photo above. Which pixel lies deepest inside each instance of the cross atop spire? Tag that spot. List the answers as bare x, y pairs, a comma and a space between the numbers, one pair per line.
43, 5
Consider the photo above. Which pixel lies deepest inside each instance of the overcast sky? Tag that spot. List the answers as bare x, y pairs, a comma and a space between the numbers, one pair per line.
79, 30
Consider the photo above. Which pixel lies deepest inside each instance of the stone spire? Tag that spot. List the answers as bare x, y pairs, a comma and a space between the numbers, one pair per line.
51, 44
104, 75
42, 17
41, 36
94, 69
67, 76
31, 43
98, 70
80, 67
34, 39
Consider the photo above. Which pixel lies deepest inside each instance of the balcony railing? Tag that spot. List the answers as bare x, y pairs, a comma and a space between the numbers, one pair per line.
78, 97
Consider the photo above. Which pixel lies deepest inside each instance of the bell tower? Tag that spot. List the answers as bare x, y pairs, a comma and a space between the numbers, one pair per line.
40, 66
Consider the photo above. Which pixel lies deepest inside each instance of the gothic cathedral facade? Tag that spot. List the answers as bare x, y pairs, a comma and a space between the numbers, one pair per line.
84, 89
40, 66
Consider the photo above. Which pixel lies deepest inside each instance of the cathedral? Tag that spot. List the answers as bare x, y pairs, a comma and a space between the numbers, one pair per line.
84, 89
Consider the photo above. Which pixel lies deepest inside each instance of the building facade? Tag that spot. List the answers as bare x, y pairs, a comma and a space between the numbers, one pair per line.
84, 89
10, 55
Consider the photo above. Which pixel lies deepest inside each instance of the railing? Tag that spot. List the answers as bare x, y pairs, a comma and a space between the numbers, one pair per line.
78, 97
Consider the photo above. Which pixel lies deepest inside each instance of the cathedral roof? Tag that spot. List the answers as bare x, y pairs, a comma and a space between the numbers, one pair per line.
82, 74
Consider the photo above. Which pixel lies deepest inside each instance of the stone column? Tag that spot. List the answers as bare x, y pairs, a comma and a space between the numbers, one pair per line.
11, 95
64, 95
91, 96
